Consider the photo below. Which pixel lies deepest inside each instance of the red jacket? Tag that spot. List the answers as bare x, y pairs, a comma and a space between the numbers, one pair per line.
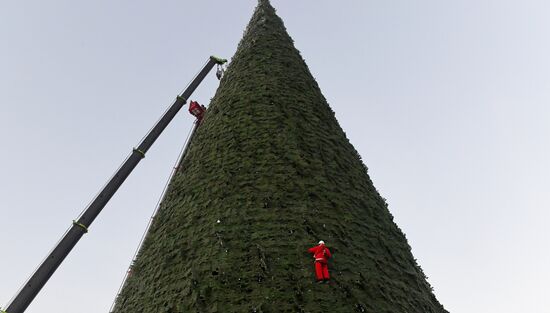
320, 253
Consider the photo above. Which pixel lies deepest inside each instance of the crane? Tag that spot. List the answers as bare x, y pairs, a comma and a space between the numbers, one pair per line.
80, 226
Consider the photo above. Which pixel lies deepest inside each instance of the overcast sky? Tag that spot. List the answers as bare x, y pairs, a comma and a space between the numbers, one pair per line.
448, 103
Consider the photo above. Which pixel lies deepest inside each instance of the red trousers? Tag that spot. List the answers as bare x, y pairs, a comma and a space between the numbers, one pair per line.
321, 271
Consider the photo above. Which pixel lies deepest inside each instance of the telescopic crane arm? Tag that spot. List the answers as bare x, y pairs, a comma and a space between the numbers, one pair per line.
41, 276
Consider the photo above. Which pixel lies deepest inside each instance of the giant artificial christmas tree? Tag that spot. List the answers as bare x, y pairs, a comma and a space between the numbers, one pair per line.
268, 173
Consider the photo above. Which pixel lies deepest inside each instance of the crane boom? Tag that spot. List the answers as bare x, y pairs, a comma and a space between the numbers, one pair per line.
41, 276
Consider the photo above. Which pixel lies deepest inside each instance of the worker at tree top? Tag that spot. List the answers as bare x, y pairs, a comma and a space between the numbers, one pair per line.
321, 254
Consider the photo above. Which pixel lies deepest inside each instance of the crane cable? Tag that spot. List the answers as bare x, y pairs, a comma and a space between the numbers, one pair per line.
157, 207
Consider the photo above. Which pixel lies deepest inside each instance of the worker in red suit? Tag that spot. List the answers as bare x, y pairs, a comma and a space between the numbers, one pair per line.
321, 254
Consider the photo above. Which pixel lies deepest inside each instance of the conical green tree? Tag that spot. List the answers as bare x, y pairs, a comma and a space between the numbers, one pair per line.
268, 174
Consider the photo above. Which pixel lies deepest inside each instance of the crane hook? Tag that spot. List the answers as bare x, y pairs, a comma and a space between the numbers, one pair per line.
220, 71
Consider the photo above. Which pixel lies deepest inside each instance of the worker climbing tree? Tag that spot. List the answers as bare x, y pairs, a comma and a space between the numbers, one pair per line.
321, 254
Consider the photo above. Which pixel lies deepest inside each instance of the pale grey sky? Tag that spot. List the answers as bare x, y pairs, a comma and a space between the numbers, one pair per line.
446, 101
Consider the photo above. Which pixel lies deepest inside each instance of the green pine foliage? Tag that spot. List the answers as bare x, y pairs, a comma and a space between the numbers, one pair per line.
272, 165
